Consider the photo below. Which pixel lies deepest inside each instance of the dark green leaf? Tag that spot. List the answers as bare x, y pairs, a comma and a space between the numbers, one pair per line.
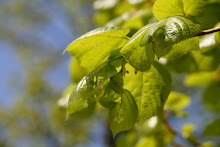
213, 128
117, 83
182, 64
211, 97
123, 115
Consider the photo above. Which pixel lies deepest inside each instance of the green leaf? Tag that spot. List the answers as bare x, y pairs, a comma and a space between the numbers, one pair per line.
117, 83
107, 71
96, 46
167, 32
212, 129
199, 79
211, 97
177, 101
208, 62
123, 115
140, 57
63, 101
150, 89
217, 37
183, 47
182, 64
187, 130
77, 72
82, 99
210, 18
109, 98
167, 8
147, 142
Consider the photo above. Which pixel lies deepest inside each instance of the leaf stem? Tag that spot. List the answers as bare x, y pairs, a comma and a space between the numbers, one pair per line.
205, 32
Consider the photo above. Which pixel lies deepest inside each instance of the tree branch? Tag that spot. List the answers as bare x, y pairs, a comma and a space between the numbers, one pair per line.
175, 133
205, 32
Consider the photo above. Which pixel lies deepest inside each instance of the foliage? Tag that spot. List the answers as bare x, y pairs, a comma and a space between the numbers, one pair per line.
135, 86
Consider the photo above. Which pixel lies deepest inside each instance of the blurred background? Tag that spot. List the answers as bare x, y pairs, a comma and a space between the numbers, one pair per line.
34, 73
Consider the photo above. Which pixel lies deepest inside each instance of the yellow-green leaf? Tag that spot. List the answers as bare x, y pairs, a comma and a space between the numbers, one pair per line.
94, 47
199, 79
176, 101
150, 89
139, 56
167, 8
167, 32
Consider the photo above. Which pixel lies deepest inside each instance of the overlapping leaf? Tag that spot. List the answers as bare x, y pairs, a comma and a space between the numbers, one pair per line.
140, 57
168, 32
150, 89
82, 99
123, 115
96, 46
167, 8
158, 38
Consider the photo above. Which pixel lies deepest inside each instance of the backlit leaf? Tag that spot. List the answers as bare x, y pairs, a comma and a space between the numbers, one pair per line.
150, 89
199, 79
139, 56
167, 32
82, 99
177, 101
167, 8
96, 46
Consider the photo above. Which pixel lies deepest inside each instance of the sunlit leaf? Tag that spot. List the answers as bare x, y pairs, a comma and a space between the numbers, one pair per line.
199, 79
140, 57
123, 115
183, 48
212, 129
168, 32
96, 46
176, 101
167, 8
82, 99
150, 89
77, 72
187, 130
147, 141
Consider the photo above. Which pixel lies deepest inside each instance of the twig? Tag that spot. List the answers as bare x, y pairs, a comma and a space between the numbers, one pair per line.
205, 32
